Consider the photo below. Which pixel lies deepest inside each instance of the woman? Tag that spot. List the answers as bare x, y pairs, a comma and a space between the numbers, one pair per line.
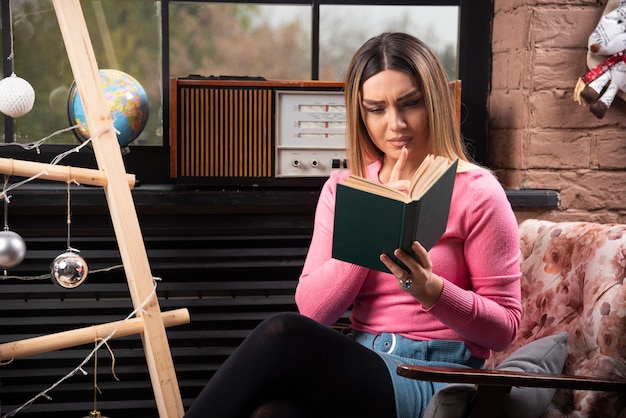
456, 303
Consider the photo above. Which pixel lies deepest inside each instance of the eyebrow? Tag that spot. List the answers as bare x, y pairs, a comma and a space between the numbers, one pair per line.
409, 95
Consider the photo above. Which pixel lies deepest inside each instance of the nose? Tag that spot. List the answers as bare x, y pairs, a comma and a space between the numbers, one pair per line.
594, 48
396, 120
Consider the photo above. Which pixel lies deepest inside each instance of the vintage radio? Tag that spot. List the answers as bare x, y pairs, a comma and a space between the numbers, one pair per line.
255, 131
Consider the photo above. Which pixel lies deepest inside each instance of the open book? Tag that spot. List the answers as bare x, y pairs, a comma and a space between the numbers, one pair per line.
371, 219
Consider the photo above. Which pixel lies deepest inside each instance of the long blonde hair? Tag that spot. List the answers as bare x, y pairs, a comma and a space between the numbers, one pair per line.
401, 52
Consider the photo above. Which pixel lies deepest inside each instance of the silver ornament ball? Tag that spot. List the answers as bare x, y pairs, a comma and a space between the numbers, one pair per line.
69, 270
12, 249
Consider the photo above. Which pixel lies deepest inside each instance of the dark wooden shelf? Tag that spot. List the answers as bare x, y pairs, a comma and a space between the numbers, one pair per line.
510, 378
53, 194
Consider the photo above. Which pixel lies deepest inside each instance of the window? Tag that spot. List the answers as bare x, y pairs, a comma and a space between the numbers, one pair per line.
155, 40
275, 41
344, 28
124, 35
234, 39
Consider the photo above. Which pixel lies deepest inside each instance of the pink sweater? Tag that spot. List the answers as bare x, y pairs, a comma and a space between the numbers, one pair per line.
478, 257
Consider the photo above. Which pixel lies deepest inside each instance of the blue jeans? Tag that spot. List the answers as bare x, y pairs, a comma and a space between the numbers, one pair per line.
412, 396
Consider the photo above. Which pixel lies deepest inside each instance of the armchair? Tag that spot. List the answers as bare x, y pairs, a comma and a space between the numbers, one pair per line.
569, 356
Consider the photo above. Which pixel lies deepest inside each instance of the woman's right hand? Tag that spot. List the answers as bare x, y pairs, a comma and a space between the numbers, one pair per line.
394, 178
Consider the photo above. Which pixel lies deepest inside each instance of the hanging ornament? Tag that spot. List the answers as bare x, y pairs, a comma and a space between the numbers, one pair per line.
12, 249
95, 413
69, 270
12, 246
17, 96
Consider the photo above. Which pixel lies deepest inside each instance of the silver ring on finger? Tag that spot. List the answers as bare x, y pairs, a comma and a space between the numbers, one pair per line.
406, 283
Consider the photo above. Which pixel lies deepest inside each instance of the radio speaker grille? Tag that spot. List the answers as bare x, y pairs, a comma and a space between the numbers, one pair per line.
225, 132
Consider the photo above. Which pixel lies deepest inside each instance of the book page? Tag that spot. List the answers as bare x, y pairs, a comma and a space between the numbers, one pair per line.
424, 177
420, 173
427, 174
361, 183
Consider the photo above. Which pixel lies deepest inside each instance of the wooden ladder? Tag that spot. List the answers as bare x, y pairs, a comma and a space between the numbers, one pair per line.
117, 184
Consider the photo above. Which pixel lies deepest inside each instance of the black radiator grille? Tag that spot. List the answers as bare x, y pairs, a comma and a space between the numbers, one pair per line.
230, 265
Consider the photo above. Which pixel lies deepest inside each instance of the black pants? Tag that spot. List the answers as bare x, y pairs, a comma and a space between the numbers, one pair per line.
291, 366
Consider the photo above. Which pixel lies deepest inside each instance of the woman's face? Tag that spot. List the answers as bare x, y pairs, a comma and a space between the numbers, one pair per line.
394, 113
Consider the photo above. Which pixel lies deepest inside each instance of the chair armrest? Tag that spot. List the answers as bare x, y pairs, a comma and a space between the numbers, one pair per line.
509, 378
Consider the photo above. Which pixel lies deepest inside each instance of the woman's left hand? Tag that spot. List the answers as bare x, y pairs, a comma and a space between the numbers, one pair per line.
419, 281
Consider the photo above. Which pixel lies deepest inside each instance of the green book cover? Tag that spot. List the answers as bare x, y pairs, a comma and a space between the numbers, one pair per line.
367, 224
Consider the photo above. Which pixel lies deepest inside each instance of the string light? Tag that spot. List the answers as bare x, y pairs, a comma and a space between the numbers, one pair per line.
13, 245
18, 105
56, 160
35, 145
79, 368
47, 275
6, 197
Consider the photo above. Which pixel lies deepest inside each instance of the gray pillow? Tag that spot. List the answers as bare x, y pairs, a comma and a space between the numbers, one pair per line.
545, 355
450, 402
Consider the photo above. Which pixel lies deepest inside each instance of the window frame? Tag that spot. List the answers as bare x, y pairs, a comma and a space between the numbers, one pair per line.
151, 162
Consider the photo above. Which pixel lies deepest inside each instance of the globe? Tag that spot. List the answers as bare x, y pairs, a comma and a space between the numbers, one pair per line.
127, 100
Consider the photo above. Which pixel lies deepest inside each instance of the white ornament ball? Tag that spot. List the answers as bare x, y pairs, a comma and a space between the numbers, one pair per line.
12, 249
17, 96
69, 270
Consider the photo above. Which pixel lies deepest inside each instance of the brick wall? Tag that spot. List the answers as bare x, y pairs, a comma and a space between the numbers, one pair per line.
540, 138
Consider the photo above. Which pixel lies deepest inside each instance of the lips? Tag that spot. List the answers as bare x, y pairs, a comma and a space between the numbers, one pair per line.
400, 141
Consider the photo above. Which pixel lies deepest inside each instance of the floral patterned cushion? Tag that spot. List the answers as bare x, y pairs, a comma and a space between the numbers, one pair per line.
573, 280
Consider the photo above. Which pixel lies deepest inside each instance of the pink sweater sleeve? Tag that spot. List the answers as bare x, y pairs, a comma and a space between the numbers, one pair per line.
327, 287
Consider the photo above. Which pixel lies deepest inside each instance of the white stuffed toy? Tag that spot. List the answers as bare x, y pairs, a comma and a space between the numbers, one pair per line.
606, 57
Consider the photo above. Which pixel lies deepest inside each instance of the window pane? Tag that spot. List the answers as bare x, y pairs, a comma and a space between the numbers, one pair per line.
344, 28
238, 39
125, 35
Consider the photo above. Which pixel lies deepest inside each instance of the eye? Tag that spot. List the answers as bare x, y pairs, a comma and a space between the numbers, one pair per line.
413, 103
374, 109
